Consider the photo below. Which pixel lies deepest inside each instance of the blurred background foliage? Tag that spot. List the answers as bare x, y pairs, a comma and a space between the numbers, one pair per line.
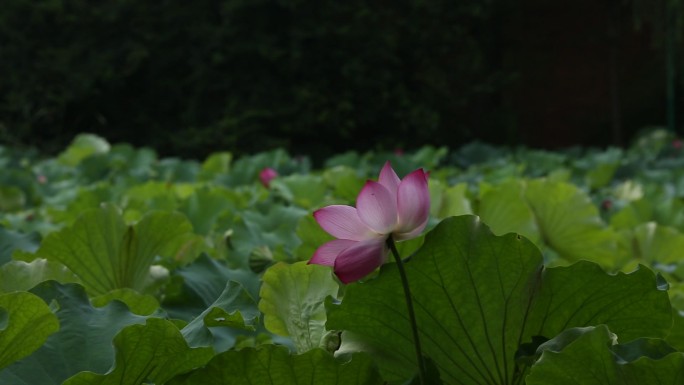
318, 77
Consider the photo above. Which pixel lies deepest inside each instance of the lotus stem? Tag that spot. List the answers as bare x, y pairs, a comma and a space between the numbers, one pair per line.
411, 313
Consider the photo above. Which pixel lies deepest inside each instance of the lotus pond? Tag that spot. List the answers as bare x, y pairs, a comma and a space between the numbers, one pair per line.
533, 267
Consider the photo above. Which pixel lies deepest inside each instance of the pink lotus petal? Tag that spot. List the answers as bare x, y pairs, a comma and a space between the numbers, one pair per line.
389, 178
413, 203
360, 260
325, 254
267, 175
342, 222
377, 208
397, 236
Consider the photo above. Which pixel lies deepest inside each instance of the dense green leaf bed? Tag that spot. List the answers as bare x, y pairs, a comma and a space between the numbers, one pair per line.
118, 267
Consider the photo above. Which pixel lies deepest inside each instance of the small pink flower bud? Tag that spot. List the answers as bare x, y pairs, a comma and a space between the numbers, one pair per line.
607, 204
267, 175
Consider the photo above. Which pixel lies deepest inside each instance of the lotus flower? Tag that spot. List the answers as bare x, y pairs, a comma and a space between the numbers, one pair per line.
267, 175
390, 207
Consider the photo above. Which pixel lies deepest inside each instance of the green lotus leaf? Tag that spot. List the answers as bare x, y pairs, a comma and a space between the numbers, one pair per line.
635, 213
429, 157
106, 254
152, 195
129, 164
292, 297
599, 168
86, 198
654, 348
245, 170
633, 305
271, 226
83, 146
83, 341
668, 370
446, 201
345, 181
12, 240
141, 304
20, 275
591, 356
216, 163
154, 352
201, 283
176, 170
11, 199
480, 298
656, 207
306, 191
656, 243
311, 235
505, 210
206, 205
676, 336
570, 224
274, 365
26, 322
234, 308
540, 163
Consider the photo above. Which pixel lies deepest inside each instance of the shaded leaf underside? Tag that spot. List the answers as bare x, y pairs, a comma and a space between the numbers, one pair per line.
478, 297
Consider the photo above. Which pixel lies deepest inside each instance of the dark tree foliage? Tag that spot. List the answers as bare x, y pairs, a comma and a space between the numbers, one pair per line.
192, 77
